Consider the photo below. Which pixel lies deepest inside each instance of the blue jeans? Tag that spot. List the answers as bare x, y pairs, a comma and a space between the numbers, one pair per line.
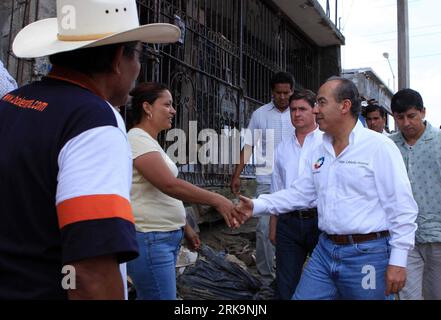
295, 239
154, 272
354, 271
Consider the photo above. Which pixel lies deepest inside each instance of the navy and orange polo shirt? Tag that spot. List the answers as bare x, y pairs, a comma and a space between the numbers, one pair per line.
65, 176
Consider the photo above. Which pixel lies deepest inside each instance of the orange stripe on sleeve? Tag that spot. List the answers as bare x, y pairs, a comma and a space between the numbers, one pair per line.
93, 207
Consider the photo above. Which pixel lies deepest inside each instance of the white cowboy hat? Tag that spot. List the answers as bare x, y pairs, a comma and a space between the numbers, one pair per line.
89, 23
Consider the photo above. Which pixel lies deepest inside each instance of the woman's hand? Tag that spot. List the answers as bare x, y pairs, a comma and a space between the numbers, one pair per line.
192, 238
226, 208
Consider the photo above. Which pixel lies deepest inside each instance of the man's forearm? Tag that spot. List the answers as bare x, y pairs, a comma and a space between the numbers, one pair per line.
245, 156
97, 279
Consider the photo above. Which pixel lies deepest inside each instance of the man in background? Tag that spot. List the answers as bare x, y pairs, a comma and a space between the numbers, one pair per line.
295, 233
420, 145
274, 118
376, 118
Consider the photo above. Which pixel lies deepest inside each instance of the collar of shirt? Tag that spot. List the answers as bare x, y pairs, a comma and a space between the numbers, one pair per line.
354, 136
429, 134
312, 134
291, 159
75, 77
274, 108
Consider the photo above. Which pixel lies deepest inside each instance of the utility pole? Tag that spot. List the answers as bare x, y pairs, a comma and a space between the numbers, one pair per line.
403, 44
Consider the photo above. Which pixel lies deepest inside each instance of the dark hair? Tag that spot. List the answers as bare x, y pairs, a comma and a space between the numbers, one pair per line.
144, 92
92, 60
375, 107
346, 89
282, 77
406, 99
306, 95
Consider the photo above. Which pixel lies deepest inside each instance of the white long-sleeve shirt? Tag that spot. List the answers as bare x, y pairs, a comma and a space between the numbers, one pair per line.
290, 159
365, 189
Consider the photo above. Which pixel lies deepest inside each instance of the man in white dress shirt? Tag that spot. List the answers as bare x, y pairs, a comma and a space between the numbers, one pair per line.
269, 124
365, 205
296, 233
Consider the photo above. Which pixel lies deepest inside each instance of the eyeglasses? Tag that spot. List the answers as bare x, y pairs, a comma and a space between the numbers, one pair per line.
320, 103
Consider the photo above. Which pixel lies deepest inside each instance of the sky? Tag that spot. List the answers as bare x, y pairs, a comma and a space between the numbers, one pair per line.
370, 29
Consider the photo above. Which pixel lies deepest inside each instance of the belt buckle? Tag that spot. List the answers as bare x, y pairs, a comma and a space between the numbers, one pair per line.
306, 214
346, 239
301, 214
343, 239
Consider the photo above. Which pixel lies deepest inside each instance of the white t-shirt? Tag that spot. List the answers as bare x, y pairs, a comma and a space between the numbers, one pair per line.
153, 209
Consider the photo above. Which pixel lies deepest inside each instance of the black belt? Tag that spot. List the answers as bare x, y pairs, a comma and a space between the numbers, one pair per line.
304, 213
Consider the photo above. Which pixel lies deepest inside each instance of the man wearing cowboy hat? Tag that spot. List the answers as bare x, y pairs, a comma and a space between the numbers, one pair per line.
65, 217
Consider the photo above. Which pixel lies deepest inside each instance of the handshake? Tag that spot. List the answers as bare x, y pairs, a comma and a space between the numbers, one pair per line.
236, 215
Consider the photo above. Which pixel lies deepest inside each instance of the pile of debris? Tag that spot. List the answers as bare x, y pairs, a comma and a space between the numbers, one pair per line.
215, 277
225, 267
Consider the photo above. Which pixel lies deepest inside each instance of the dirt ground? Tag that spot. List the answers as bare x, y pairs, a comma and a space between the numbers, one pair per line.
240, 242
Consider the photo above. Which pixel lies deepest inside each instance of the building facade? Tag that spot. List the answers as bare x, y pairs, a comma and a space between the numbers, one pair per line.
219, 71
372, 89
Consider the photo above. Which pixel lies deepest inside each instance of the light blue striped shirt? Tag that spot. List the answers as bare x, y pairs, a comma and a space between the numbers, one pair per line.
7, 83
265, 142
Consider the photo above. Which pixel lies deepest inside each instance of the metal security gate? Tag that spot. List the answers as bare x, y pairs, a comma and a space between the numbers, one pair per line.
202, 71
22, 13
218, 73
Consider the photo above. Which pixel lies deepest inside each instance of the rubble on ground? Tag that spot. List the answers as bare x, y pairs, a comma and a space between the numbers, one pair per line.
225, 268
